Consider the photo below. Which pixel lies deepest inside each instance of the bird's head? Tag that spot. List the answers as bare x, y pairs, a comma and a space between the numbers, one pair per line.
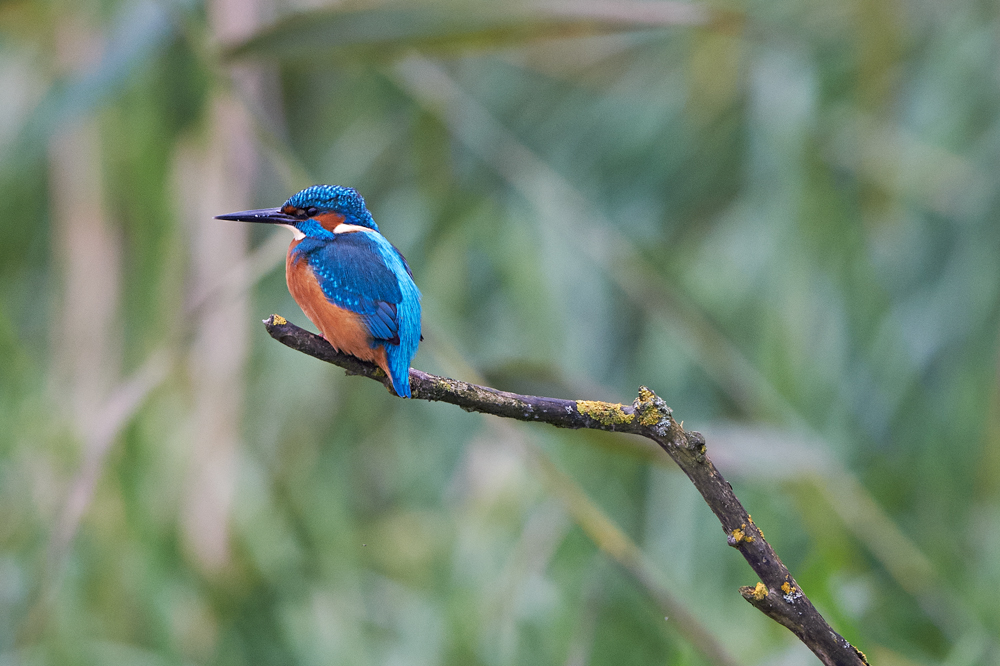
314, 211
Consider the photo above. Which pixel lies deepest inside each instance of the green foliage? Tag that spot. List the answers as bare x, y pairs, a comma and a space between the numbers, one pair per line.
780, 216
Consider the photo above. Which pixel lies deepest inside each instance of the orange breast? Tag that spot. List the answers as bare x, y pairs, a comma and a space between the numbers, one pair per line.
342, 328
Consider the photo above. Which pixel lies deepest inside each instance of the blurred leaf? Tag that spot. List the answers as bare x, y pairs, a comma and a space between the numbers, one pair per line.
140, 32
392, 29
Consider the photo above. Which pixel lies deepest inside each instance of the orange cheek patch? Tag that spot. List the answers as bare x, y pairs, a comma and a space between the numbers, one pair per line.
329, 221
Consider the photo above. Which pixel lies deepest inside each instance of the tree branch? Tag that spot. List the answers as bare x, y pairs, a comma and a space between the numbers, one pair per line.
778, 595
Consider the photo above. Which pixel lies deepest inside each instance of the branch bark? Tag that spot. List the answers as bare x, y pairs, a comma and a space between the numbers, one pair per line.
777, 595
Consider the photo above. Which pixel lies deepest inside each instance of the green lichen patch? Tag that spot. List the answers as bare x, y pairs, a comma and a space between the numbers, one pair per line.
605, 413
278, 320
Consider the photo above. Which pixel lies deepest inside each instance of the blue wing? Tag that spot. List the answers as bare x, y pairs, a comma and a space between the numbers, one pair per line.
362, 272
353, 275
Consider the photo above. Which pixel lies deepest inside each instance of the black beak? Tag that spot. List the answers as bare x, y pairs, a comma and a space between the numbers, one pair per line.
266, 215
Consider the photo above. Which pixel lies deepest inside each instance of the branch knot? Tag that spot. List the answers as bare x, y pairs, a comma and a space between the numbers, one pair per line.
695, 441
653, 412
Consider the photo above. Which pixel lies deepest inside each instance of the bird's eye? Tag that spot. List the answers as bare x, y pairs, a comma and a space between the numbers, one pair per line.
311, 211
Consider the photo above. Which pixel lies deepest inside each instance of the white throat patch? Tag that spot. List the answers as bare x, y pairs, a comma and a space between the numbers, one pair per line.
297, 234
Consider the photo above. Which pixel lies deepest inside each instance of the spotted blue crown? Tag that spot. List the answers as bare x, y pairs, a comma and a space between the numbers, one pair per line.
335, 199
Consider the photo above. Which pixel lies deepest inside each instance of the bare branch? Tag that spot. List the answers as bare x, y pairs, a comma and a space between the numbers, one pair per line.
778, 595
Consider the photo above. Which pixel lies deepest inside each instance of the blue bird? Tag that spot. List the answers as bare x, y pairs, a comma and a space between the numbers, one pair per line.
347, 278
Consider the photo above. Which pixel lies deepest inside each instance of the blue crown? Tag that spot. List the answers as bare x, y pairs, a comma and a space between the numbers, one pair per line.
335, 199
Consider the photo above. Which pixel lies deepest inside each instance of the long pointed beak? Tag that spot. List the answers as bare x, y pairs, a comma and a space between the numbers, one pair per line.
266, 215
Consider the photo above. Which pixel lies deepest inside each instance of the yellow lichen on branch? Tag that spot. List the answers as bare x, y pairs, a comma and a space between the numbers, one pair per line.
605, 413
740, 535
652, 410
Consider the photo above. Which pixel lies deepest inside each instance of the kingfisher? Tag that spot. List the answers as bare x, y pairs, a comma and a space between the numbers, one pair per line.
352, 283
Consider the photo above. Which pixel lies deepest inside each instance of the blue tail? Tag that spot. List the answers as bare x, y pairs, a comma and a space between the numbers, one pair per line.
400, 356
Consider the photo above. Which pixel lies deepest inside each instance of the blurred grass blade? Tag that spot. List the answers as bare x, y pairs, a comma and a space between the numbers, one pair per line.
603, 532
325, 31
616, 544
560, 203
114, 415
788, 456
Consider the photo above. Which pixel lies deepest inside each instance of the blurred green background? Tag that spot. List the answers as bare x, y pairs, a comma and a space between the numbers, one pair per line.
780, 215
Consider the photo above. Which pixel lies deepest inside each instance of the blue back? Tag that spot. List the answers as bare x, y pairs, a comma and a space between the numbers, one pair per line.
362, 272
